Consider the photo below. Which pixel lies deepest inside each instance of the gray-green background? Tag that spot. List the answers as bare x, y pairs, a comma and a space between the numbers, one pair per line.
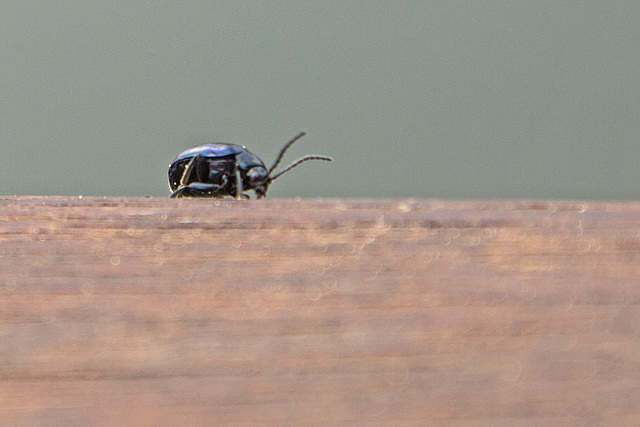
412, 99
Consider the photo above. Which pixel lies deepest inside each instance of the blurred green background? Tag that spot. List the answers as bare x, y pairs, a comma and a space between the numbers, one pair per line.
508, 99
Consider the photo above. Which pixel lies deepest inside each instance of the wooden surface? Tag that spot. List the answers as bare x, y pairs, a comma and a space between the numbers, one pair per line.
138, 311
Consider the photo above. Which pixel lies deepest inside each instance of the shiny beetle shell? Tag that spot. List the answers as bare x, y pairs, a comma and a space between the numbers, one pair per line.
220, 169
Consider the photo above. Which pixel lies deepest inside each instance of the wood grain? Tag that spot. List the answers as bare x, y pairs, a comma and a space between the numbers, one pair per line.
144, 311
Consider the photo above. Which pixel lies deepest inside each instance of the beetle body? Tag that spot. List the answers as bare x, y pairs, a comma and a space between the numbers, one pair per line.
213, 171
218, 170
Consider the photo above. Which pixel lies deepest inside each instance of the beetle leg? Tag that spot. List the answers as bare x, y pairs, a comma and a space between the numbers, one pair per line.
197, 189
201, 189
239, 190
189, 169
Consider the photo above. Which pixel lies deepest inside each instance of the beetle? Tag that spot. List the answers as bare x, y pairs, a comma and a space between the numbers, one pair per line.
220, 169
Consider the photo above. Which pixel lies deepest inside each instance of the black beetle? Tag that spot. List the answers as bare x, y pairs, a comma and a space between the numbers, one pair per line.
218, 170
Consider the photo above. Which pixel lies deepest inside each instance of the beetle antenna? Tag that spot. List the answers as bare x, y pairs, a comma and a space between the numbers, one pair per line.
284, 150
300, 160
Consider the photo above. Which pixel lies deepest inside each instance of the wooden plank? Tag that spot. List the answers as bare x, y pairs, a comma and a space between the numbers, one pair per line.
162, 312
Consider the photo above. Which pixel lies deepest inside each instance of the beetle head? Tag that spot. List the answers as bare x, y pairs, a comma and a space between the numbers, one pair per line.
263, 178
258, 179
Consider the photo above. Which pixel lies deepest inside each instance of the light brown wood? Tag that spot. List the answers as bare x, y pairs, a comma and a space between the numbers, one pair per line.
139, 311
